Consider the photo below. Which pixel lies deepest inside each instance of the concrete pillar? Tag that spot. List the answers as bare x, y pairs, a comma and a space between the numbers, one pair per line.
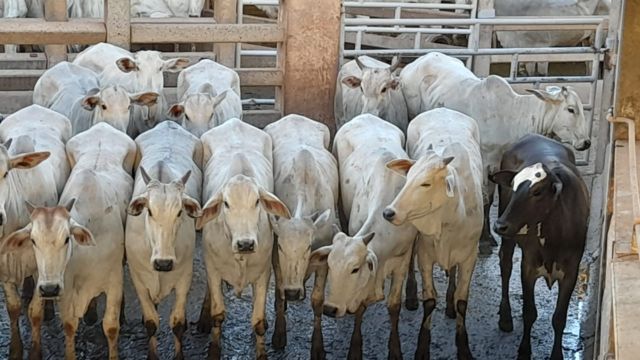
55, 10
117, 16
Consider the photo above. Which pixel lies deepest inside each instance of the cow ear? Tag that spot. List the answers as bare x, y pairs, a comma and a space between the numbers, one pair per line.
320, 219
89, 103
450, 182
137, 205
503, 177
393, 84
211, 211
82, 235
218, 99
372, 262
319, 256
544, 95
28, 160
175, 65
144, 98
16, 240
126, 65
352, 81
176, 111
446, 161
273, 205
400, 166
30, 207
183, 180
191, 206
69, 204
557, 189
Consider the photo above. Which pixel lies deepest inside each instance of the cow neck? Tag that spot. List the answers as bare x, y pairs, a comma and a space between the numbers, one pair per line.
544, 126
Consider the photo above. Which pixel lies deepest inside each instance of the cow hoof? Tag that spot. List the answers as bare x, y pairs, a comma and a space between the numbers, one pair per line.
262, 356
178, 356
151, 355
395, 355
464, 354
506, 325
279, 341
214, 352
318, 354
411, 304
33, 355
524, 355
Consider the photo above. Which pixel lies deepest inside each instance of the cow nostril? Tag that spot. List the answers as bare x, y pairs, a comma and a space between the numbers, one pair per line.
500, 228
329, 310
246, 246
587, 144
293, 294
388, 214
50, 290
163, 265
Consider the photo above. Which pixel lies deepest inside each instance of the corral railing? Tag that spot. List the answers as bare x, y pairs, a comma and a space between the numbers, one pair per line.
301, 49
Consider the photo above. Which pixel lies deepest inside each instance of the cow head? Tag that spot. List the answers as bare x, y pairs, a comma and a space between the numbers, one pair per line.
112, 105
167, 206
295, 237
53, 235
148, 66
352, 269
535, 192
564, 118
21, 156
239, 205
197, 111
430, 182
376, 85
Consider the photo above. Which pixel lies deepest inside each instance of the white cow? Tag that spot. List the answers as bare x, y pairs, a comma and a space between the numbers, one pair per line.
503, 116
73, 91
237, 237
527, 39
443, 199
360, 262
142, 71
92, 214
368, 86
306, 180
209, 95
161, 235
166, 8
32, 135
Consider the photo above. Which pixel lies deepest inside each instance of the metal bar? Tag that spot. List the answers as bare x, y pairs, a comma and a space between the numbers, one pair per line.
258, 52
352, 4
379, 29
470, 52
513, 69
261, 2
591, 22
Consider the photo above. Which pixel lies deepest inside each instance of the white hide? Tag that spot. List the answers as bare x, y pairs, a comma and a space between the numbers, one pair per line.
209, 95
503, 116
363, 146
74, 92
166, 8
360, 92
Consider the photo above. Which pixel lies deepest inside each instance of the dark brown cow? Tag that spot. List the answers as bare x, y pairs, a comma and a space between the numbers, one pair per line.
544, 207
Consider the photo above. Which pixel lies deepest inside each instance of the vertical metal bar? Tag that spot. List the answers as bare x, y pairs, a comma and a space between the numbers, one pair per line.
513, 70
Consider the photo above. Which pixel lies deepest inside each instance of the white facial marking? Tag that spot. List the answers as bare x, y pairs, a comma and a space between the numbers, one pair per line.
524, 230
534, 173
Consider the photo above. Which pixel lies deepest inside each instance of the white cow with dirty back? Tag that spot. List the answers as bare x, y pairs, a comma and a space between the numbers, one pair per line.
135, 72
306, 180
368, 86
85, 232
34, 168
161, 235
437, 80
74, 92
236, 234
209, 95
442, 198
373, 249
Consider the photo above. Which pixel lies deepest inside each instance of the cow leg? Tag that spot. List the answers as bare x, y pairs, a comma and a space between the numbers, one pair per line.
451, 289
529, 312
317, 301
506, 264
150, 316
425, 263
178, 320
461, 297
411, 301
565, 289
13, 308
279, 337
393, 305
111, 319
258, 318
355, 349
36, 314
70, 326
216, 311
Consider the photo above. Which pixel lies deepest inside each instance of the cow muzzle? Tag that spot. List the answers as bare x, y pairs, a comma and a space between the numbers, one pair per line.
246, 246
163, 265
502, 228
582, 145
49, 290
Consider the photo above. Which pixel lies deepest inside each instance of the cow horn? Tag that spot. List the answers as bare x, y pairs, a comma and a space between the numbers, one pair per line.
7, 143
368, 237
395, 64
145, 176
185, 178
360, 64
30, 207
69, 204
430, 147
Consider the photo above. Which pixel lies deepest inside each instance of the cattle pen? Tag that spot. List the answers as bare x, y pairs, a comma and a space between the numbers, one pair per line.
289, 64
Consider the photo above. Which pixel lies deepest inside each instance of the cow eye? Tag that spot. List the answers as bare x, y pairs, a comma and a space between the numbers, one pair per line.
257, 202
66, 241
226, 205
33, 242
179, 213
186, 117
5, 174
355, 270
384, 90
537, 192
426, 185
571, 110
149, 212
104, 107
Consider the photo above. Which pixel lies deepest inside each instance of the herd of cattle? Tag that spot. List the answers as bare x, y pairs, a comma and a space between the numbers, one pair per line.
101, 170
